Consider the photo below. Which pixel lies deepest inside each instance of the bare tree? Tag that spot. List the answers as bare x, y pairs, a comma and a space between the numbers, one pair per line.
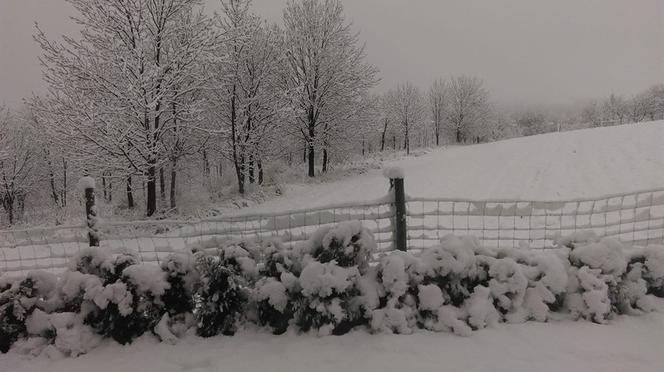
591, 115
407, 105
115, 85
437, 105
615, 109
637, 108
650, 102
19, 158
531, 122
325, 72
247, 100
468, 106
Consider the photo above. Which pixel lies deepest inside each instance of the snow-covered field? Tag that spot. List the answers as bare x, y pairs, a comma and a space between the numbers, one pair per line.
566, 165
627, 344
575, 164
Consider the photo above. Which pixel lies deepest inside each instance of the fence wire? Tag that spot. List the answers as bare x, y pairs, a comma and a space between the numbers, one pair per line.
51, 248
632, 218
636, 218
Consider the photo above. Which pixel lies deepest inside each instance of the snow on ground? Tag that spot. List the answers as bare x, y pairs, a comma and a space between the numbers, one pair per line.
554, 166
628, 344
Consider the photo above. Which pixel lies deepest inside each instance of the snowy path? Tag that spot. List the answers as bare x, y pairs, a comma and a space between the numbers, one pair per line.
628, 344
567, 165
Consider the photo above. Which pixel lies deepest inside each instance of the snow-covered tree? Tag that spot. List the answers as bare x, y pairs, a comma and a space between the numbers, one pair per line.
247, 102
325, 72
468, 106
407, 105
615, 109
114, 87
654, 98
637, 108
437, 104
591, 115
19, 158
531, 122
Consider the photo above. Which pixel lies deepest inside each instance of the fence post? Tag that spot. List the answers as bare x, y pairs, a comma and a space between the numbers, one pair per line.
401, 231
396, 177
87, 183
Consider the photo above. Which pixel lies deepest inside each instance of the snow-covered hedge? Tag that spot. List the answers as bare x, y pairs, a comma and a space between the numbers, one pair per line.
327, 285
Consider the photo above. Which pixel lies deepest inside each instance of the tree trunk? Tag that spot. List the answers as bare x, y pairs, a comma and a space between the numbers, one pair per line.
458, 135
8, 205
239, 172
20, 206
63, 198
130, 194
173, 184
364, 151
407, 140
103, 187
252, 171
151, 206
382, 137
260, 171
54, 192
206, 164
162, 184
325, 159
312, 153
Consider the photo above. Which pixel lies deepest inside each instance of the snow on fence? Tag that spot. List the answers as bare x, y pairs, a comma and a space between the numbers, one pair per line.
636, 217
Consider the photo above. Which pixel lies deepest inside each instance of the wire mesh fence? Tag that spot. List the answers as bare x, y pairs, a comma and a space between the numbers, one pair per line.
636, 218
633, 218
50, 248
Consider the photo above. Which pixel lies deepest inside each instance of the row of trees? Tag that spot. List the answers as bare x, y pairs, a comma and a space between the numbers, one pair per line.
457, 109
616, 109
152, 82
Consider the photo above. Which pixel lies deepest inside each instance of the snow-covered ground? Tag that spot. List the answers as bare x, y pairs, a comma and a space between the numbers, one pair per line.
627, 344
589, 162
555, 166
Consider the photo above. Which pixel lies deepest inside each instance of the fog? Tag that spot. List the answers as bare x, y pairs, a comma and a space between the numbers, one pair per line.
526, 51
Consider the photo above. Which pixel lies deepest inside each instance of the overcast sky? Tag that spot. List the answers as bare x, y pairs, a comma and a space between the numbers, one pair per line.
527, 51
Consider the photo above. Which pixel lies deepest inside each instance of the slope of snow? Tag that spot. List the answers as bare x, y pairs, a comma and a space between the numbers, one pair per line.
554, 166
627, 344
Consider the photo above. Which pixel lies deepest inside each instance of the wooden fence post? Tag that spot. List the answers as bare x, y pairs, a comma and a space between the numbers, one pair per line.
401, 231
87, 183
396, 178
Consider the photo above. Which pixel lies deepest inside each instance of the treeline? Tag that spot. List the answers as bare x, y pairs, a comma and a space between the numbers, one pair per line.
156, 95
615, 109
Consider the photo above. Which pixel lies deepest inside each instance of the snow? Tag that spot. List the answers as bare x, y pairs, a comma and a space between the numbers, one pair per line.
274, 292
86, 182
163, 331
394, 172
558, 165
431, 297
606, 255
480, 309
626, 344
554, 166
148, 279
323, 279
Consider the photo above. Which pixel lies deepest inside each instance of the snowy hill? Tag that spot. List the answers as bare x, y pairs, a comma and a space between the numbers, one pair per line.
566, 165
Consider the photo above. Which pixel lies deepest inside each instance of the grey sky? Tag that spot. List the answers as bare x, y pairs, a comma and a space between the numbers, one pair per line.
531, 51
